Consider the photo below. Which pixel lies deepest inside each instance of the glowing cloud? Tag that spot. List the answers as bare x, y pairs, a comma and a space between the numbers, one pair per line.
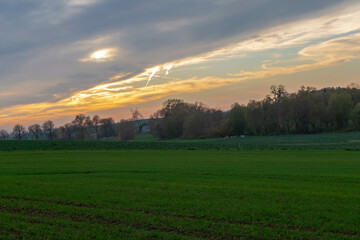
324, 54
154, 71
119, 94
102, 55
286, 36
344, 45
168, 68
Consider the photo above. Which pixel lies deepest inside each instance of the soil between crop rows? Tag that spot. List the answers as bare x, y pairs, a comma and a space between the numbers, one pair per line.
100, 220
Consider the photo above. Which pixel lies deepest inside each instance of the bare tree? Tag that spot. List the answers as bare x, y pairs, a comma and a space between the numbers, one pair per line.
4, 134
96, 121
88, 122
80, 122
67, 130
278, 92
19, 131
35, 130
138, 118
48, 126
89, 125
354, 85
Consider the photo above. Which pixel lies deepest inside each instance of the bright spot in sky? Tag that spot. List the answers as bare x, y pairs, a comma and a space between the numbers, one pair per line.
168, 68
155, 70
101, 55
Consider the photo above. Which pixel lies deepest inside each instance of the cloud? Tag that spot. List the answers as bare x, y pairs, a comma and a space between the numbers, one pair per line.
335, 50
80, 2
32, 28
324, 54
42, 41
101, 55
56, 12
289, 35
119, 94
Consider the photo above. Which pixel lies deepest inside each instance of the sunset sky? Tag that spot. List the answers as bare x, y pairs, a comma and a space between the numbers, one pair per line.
59, 58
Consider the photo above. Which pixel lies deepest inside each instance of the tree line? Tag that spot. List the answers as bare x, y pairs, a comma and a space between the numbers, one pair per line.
304, 112
81, 128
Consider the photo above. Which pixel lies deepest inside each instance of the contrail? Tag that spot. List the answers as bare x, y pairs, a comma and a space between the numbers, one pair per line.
168, 68
153, 73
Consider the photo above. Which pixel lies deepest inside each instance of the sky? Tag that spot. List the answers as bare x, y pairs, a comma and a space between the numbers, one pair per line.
60, 58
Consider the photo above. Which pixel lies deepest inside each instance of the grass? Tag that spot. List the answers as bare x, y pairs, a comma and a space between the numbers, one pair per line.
145, 137
331, 141
153, 194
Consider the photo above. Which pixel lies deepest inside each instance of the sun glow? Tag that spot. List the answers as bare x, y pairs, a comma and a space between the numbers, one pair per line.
102, 55
124, 90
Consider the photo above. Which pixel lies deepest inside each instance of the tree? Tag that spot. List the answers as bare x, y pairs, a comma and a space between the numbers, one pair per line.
356, 116
302, 109
155, 124
255, 116
277, 93
237, 119
88, 122
19, 131
48, 126
181, 119
35, 130
107, 126
137, 117
354, 85
4, 134
340, 105
67, 130
89, 125
80, 122
173, 116
126, 130
202, 123
96, 121
194, 125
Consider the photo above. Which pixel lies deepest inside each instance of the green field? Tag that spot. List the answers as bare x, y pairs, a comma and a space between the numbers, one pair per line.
329, 141
168, 194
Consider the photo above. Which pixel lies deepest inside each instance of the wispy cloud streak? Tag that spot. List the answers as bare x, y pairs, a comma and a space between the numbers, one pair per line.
324, 41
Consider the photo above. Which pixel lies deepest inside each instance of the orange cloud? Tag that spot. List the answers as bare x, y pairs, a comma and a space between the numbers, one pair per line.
321, 55
129, 91
106, 97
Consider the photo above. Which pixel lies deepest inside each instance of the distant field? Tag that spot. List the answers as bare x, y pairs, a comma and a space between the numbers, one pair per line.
153, 194
340, 141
